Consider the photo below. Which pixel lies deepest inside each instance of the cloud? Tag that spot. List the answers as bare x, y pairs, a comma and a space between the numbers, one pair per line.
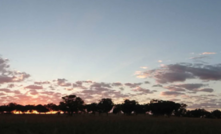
33, 92
100, 85
117, 84
78, 84
206, 90
7, 75
34, 87
9, 91
174, 88
194, 87
4, 65
5, 90
171, 93
183, 71
146, 82
157, 85
189, 86
62, 82
11, 85
208, 53
205, 105
199, 57
143, 90
42, 82
5, 79
132, 85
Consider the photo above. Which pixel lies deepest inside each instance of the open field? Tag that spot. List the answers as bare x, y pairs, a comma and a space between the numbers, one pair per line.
112, 124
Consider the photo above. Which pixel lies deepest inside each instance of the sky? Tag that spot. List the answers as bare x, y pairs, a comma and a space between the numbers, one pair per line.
142, 50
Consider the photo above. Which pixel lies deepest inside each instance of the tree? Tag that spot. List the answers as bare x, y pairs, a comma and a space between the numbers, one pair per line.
180, 109
117, 109
93, 107
198, 113
129, 106
20, 108
41, 109
10, 107
160, 107
52, 107
216, 113
105, 105
72, 104
140, 109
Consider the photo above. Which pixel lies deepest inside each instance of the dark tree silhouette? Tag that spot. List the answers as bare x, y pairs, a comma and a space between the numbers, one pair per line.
72, 104
105, 105
117, 109
52, 107
93, 107
41, 109
180, 109
10, 107
129, 106
160, 107
198, 113
141, 109
3, 109
29, 108
20, 108
216, 113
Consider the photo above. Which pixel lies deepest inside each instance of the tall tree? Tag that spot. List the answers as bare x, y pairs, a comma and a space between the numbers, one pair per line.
93, 107
105, 105
73, 104
129, 106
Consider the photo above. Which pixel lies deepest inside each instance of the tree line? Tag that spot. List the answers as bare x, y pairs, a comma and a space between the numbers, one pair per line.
71, 104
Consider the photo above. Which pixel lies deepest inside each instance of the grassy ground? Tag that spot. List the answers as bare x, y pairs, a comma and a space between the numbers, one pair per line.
120, 124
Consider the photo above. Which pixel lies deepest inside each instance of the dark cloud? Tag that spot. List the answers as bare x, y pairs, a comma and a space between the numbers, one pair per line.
117, 84
199, 57
157, 85
62, 82
2, 94
41, 82
5, 79
183, 71
79, 84
146, 82
121, 88
11, 85
7, 75
34, 87
206, 90
194, 87
143, 90
205, 105
190, 86
3, 65
33, 92
174, 88
100, 85
9, 91
132, 85
171, 93
5, 90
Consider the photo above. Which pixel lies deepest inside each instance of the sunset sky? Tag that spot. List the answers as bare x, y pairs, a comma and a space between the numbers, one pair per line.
119, 49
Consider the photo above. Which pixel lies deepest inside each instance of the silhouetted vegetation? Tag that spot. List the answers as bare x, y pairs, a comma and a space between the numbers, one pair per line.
72, 104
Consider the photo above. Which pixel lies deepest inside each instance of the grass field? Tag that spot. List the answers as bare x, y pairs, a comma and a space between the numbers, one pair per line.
112, 124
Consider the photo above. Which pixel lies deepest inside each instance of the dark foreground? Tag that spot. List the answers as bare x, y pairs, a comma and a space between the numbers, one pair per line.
112, 124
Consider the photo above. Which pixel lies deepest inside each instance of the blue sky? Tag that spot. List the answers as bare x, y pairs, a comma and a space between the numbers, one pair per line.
108, 41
